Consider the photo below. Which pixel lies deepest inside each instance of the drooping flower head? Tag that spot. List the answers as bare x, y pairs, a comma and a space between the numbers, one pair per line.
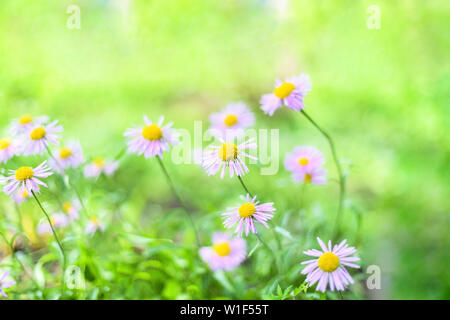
289, 92
8, 149
247, 214
230, 155
93, 225
152, 139
314, 176
72, 208
69, 156
226, 253
304, 158
58, 220
328, 267
25, 123
232, 121
39, 137
26, 178
5, 282
99, 166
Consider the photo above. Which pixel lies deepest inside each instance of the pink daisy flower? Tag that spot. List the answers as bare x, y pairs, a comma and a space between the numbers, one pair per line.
304, 158
69, 156
58, 220
99, 166
226, 253
289, 92
21, 195
26, 178
37, 139
314, 176
329, 266
228, 155
232, 121
25, 123
152, 139
247, 214
94, 225
5, 282
72, 209
8, 149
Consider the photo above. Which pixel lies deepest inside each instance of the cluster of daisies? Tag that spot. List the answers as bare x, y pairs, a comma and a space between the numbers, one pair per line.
37, 136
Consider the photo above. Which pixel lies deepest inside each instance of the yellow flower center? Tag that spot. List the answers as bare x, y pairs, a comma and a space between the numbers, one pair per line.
328, 262
64, 153
25, 119
222, 249
94, 220
4, 143
52, 221
284, 90
303, 161
67, 206
38, 133
228, 151
247, 210
25, 193
99, 162
152, 132
24, 173
230, 120
307, 178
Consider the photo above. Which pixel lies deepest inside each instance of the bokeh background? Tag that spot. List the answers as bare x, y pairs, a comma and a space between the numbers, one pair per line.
382, 93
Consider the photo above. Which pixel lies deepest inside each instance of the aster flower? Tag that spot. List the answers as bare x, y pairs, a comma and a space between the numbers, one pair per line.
304, 158
99, 166
228, 155
26, 178
247, 214
152, 139
93, 225
72, 209
289, 92
25, 123
329, 266
58, 220
21, 195
69, 156
5, 282
232, 121
226, 253
37, 139
314, 176
8, 149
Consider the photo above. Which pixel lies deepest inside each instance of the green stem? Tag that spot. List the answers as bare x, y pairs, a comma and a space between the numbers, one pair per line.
174, 190
339, 169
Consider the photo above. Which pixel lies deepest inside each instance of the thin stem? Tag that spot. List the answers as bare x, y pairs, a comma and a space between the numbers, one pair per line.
339, 169
174, 190
275, 259
244, 186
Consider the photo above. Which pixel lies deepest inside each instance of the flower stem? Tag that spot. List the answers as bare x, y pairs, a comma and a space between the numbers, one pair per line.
244, 186
339, 169
174, 190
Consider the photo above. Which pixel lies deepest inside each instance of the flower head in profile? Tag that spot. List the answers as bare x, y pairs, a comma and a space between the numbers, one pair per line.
329, 266
93, 225
99, 166
21, 195
152, 139
315, 176
304, 158
226, 253
71, 209
26, 178
228, 154
68, 156
57, 220
5, 282
247, 215
8, 149
289, 92
39, 137
232, 121
25, 123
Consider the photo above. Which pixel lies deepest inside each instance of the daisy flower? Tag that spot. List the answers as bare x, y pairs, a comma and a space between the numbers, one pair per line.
226, 253
94, 225
8, 149
329, 266
58, 220
289, 92
247, 214
25, 123
98, 166
152, 139
26, 178
228, 155
232, 121
72, 209
37, 139
314, 176
69, 156
304, 158
5, 282
21, 195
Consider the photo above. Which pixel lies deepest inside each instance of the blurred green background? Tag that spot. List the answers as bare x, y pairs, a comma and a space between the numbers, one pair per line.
383, 94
